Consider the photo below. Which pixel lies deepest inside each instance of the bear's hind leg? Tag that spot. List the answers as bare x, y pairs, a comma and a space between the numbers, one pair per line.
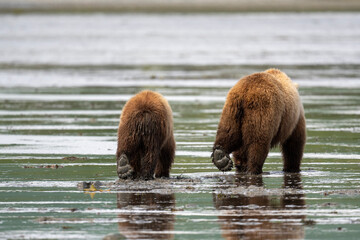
240, 160
166, 159
148, 164
124, 169
293, 147
229, 135
257, 153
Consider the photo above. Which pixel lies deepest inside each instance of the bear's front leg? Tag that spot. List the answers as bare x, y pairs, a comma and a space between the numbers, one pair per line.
124, 169
221, 160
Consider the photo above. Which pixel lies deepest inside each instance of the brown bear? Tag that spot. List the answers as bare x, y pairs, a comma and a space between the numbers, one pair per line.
146, 142
261, 111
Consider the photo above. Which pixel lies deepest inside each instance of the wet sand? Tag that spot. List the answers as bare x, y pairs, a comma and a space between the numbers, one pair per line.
246, 185
176, 6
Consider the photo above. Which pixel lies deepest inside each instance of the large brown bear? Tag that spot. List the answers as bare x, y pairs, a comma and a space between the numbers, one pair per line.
146, 142
261, 111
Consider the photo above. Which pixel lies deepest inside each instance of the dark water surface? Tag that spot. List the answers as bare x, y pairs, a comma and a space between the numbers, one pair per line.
65, 78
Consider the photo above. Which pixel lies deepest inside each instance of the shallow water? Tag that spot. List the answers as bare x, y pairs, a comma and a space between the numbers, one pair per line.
65, 78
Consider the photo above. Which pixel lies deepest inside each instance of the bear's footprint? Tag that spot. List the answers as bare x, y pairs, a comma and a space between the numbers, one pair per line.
221, 160
124, 169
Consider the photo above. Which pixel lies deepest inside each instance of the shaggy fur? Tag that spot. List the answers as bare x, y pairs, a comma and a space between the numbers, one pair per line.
261, 111
146, 142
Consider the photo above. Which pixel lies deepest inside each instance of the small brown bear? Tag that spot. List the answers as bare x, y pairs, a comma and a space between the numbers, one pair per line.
261, 111
146, 142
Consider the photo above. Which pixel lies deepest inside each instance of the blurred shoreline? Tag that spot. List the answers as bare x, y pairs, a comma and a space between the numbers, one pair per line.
173, 6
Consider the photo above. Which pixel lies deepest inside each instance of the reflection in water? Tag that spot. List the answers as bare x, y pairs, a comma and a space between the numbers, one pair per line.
261, 217
146, 215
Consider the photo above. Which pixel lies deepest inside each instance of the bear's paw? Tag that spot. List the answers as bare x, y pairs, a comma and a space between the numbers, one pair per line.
222, 160
124, 169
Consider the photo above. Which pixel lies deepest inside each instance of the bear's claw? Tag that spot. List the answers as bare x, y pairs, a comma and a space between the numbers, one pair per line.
124, 169
222, 160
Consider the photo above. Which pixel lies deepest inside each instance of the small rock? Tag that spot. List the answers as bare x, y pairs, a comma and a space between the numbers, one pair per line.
308, 222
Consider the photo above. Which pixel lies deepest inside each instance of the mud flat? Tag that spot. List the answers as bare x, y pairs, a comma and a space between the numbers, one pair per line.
226, 184
64, 79
176, 6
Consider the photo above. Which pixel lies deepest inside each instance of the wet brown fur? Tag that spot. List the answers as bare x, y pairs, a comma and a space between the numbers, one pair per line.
146, 136
261, 111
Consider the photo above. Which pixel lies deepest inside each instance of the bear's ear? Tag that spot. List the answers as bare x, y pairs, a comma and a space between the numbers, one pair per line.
296, 85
